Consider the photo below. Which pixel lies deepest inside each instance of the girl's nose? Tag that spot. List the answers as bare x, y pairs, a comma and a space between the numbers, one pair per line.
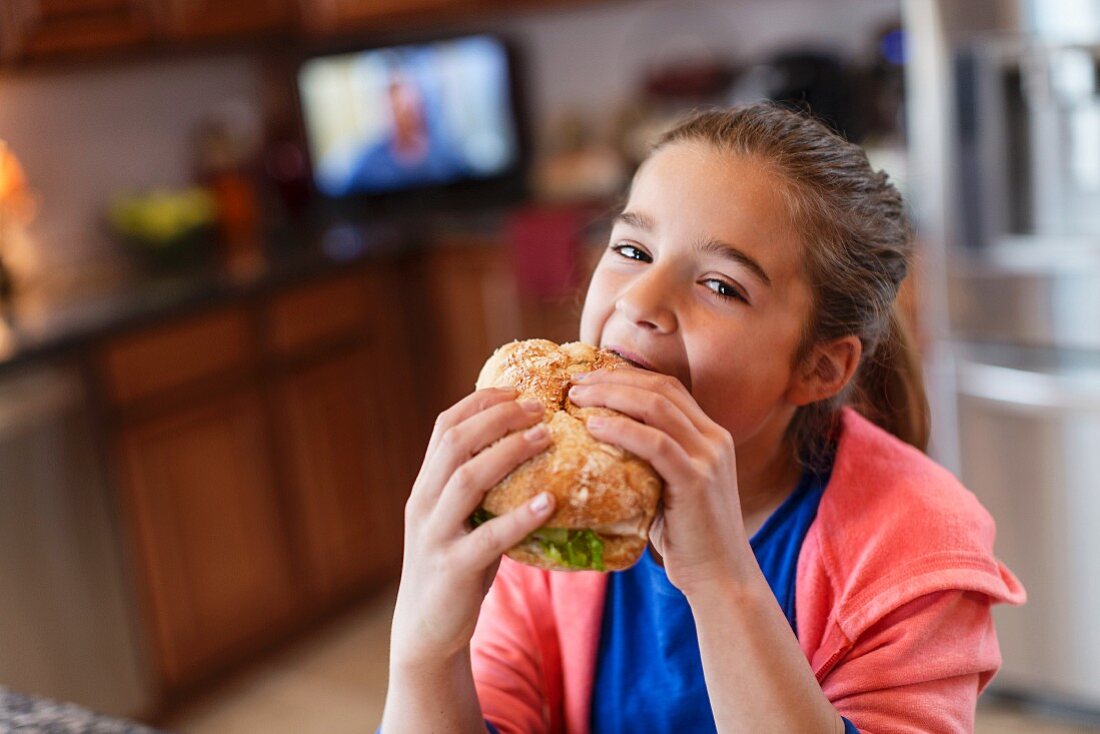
647, 302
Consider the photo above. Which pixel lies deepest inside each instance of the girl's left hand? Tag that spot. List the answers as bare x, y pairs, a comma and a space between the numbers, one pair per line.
700, 533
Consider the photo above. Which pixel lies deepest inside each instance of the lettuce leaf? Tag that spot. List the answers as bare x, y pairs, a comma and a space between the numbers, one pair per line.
580, 550
480, 517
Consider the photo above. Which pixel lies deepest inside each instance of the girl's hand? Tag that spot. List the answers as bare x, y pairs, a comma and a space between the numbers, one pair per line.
448, 568
700, 532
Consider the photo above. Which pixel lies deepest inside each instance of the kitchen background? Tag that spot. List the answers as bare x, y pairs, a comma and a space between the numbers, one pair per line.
216, 382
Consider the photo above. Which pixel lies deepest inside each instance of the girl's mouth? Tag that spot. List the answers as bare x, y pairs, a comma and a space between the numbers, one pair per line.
638, 361
633, 359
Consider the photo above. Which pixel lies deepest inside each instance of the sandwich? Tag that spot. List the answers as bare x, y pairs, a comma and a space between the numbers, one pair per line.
606, 497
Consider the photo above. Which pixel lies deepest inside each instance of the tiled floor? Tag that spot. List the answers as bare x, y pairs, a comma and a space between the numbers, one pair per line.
335, 683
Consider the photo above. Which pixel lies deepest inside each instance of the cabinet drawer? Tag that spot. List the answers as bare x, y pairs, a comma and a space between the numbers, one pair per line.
140, 365
317, 314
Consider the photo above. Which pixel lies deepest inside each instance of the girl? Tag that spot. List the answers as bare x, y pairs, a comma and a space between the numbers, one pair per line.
810, 571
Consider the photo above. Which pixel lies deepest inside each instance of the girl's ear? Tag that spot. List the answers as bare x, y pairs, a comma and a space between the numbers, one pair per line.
825, 371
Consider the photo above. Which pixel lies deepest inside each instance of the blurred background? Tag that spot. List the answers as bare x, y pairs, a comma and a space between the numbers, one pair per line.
249, 250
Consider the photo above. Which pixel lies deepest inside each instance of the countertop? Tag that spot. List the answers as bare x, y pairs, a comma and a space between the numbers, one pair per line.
38, 327
19, 712
45, 326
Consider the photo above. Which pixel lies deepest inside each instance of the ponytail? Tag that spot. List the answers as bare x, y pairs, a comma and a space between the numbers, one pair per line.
889, 389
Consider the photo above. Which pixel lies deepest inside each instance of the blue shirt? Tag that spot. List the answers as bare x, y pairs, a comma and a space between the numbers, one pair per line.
649, 674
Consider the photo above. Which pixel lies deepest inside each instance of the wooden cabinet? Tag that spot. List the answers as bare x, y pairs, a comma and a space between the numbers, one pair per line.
341, 16
397, 335
216, 567
333, 393
317, 315
210, 19
193, 455
44, 29
37, 29
263, 450
52, 28
347, 511
147, 364
477, 307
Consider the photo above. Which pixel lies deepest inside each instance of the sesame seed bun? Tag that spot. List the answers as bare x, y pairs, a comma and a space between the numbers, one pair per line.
598, 486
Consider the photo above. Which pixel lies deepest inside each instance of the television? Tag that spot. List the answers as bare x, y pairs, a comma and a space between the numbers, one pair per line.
432, 117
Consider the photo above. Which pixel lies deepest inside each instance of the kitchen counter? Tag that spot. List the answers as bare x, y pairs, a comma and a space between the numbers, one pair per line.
19, 712
46, 327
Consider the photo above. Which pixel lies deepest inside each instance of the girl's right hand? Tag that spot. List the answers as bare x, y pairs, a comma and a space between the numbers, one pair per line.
447, 568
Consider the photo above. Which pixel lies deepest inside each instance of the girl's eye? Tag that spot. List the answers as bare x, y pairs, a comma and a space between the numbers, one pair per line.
725, 290
720, 287
631, 252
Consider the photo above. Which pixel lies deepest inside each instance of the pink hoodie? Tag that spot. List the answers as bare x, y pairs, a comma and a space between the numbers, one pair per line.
895, 582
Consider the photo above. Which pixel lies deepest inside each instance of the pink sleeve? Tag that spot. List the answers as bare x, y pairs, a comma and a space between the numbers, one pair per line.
507, 660
920, 668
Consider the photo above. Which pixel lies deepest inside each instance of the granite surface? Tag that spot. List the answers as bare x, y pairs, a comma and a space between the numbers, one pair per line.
30, 715
28, 335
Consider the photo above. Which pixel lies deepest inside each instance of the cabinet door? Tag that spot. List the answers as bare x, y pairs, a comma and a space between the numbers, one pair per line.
477, 306
193, 19
335, 16
348, 511
48, 28
396, 334
210, 538
476, 309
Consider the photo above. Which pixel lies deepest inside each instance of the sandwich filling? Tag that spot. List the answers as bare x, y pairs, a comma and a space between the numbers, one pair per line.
578, 550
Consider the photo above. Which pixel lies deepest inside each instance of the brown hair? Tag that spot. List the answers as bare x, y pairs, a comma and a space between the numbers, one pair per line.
857, 249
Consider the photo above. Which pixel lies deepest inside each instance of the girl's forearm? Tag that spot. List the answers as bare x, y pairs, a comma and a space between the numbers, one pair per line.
439, 697
756, 674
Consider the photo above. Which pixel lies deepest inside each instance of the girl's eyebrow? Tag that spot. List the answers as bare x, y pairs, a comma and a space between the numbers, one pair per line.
729, 252
707, 247
634, 219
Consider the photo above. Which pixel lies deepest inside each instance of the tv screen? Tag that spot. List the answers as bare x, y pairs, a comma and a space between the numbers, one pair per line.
408, 117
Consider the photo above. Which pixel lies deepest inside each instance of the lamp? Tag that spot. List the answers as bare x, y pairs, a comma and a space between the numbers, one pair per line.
16, 205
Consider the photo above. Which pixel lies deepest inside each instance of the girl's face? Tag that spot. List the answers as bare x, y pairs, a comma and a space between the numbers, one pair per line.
702, 281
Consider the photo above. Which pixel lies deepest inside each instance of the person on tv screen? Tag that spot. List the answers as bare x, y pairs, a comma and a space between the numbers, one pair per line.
414, 151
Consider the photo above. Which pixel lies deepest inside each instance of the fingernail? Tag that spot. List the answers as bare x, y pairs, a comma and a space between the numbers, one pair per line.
541, 503
535, 433
596, 422
576, 390
581, 376
532, 406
